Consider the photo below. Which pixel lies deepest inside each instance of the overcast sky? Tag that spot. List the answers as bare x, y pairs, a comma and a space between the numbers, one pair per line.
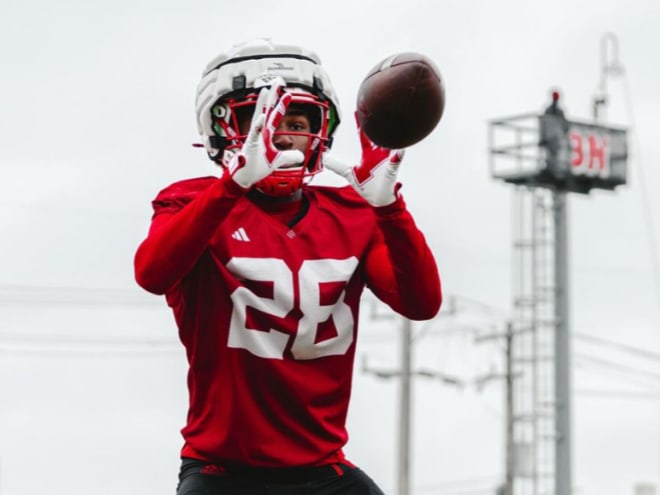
97, 115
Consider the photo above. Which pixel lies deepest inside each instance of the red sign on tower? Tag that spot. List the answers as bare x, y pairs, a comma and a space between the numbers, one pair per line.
590, 154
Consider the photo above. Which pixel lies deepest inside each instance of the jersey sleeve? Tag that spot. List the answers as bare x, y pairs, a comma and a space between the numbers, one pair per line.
186, 215
400, 268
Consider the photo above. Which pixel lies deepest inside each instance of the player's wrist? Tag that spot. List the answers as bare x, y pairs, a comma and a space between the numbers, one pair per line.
393, 208
231, 188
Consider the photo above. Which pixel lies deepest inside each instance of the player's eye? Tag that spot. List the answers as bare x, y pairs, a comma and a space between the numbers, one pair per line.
297, 126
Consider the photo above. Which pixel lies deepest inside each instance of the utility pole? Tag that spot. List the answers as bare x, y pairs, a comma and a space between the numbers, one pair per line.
405, 404
406, 373
563, 465
508, 376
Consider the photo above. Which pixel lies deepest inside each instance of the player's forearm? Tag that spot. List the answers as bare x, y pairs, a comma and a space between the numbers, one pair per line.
418, 288
176, 240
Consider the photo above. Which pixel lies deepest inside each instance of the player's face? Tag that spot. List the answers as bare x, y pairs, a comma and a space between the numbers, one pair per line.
294, 121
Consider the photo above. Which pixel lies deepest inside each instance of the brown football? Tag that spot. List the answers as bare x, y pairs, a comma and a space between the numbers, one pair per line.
401, 100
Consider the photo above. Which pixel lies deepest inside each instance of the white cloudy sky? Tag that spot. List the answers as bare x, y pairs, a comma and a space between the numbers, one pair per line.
96, 115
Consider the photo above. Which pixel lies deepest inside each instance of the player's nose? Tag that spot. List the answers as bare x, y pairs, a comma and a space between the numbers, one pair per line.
283, 141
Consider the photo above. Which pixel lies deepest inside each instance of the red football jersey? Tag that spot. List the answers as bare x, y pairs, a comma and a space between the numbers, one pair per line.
268, 314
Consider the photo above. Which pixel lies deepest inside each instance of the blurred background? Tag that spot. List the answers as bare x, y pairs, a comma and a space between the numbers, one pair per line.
97, 115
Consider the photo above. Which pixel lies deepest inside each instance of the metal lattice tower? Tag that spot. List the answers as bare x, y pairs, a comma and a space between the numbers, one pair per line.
546, 156
533, 349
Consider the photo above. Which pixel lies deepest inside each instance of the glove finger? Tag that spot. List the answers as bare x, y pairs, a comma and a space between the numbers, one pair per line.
277, 113
255, 129
274, 93
365, 142
390, 171
396, 156
391, 165
337, 166
259, 107
288, 157
273, 119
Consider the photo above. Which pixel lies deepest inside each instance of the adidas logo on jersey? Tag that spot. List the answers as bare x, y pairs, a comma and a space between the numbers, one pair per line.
240, 235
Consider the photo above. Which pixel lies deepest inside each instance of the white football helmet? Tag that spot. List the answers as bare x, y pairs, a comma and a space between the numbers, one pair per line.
227, 94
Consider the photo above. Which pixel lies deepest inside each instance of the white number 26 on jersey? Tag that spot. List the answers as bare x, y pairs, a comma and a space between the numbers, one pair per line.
312, 273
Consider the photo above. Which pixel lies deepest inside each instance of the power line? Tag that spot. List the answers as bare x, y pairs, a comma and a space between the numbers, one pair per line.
90, 352
621, 394
467, 491
646, 203
451, 484
460, 301
34, 294
618, 366
39, 345
629, 379
37, 339
617, 345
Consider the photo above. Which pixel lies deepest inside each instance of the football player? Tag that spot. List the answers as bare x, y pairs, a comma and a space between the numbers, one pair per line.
264, 274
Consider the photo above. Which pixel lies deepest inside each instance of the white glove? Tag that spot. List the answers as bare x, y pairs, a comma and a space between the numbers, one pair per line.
375, 177
259, 157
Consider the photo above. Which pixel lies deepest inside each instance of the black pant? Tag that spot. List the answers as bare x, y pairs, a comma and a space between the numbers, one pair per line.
198, 478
